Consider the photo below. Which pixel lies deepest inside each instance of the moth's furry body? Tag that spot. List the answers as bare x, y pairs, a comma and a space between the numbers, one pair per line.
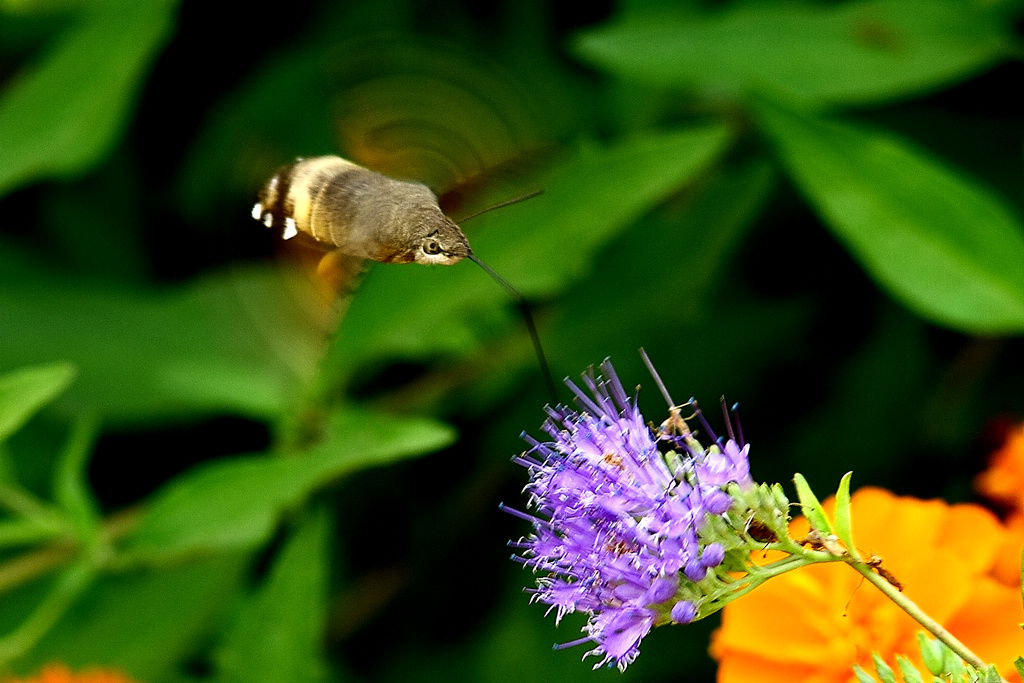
359, 213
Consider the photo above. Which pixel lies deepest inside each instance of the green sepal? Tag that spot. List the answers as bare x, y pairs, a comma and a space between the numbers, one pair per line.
1019, 665
910, 674
812, 509
842, 517
885, 672
932, 653
781, 500
990, 675
952, 665
862, 675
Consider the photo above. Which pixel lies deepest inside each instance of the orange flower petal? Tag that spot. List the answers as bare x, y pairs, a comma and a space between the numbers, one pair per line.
754, 670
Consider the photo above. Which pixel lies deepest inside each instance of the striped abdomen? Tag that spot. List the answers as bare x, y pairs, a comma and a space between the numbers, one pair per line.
360, 213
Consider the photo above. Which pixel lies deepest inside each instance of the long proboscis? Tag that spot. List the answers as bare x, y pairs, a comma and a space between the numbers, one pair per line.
524, 309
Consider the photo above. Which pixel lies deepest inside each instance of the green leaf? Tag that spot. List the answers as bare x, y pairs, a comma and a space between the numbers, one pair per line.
810, 506
945, 246
540, 246
841, 518
588, 199
144, 623
232, 503
1018, 664
62, 115
278, 633
236, 503
241, 342
847, 53
24, 392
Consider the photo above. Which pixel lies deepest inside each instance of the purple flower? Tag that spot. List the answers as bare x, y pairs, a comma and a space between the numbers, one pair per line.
616, 531
730, 463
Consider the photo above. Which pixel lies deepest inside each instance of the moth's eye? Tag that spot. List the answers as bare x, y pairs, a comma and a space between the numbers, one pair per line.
431, 247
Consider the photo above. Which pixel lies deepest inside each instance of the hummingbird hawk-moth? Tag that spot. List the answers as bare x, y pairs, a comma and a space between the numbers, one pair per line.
361, 213
358, 215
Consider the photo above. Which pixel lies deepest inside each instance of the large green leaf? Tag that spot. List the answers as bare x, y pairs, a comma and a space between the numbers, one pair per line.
855, 52
278, 633
540, 246
63, 114
943, 244
236, 503
240, 342
141, 622
24, 392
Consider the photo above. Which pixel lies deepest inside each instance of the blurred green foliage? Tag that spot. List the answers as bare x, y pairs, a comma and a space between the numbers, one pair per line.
812, 207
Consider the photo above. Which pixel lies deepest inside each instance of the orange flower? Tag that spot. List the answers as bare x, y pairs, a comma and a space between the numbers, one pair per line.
60, 673
1003, 481
815, 623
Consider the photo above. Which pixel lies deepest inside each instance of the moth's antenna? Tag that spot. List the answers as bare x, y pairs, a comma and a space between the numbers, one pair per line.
507, 202
524, 308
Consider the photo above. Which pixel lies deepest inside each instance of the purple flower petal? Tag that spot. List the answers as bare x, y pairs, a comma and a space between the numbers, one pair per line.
683, 612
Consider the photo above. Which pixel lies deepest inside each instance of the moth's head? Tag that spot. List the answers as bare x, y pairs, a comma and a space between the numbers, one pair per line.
440, 242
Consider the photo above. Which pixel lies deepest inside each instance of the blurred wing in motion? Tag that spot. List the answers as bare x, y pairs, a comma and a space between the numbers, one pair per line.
427, 112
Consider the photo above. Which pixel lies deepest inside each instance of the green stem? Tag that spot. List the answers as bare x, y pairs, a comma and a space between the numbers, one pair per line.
66, 589
756, 575
30, 565
24, 532
24, 504
780, 567
911, 608
26, 567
